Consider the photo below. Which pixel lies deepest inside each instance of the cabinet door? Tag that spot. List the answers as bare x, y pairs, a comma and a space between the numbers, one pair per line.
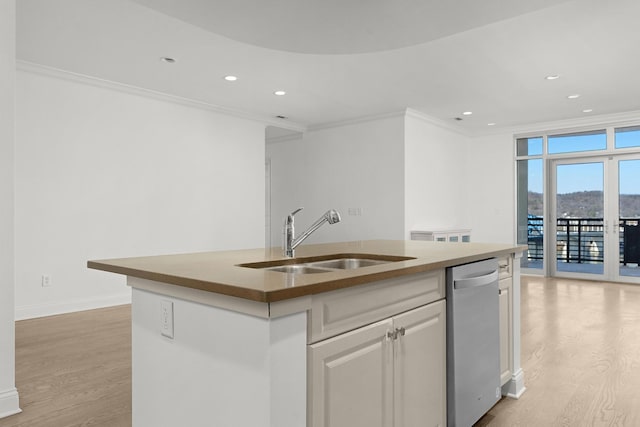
351, 379
505, 329
420, 367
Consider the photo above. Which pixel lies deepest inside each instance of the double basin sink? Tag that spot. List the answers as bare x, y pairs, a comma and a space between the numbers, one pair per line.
325, 264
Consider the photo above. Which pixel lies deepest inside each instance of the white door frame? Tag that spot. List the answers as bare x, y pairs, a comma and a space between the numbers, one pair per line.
551, 253
611, 215
614, 207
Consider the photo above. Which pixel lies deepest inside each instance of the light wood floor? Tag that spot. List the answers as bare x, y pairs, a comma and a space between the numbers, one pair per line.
580, 355
74, 370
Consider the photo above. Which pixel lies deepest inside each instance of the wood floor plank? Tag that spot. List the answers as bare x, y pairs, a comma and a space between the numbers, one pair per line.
580, 355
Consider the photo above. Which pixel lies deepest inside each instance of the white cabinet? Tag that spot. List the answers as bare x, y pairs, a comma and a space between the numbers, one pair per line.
390, 373
350, 378
506, 320
448, 235
420, 367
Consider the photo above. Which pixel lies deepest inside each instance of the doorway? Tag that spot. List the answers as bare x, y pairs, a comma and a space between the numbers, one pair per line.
282, 145
626, 226
594, 227
577, 218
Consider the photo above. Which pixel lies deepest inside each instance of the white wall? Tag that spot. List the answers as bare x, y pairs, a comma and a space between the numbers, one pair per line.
436, 180
491, 191
358, 165
405, 172
103, 173
8, 393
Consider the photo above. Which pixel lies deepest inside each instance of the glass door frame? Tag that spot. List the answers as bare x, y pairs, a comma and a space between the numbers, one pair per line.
611, 216
551, 249
614, 190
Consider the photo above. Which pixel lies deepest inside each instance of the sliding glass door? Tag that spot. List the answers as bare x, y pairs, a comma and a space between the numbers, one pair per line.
626, 227
578, 218
595, 218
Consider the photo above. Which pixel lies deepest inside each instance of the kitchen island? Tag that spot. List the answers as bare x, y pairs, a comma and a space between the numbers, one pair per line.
220, 338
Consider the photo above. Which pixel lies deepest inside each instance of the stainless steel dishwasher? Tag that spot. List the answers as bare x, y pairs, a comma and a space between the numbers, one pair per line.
473, 341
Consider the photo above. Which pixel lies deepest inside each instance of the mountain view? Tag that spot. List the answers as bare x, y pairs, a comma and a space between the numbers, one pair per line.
585, 204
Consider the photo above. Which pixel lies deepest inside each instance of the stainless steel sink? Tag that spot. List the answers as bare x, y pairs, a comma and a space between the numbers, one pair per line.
297, 269
325, 263
348, 263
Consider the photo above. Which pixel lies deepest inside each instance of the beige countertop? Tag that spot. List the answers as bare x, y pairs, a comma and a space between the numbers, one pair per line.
219, 272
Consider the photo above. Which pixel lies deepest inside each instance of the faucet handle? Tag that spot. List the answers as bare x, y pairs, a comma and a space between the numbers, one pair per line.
295, 212
289, 220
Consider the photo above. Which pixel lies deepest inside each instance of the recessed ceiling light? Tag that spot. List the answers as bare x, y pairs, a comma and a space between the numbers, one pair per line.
553, 77
279, 93
587, 110
574, 96
167, 59
230, 78
467, 113
491, 124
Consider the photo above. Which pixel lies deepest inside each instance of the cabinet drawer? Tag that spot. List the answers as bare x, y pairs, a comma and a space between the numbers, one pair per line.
505, 266
333, 313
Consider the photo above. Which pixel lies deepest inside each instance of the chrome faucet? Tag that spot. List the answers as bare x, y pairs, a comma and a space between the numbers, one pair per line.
291, 242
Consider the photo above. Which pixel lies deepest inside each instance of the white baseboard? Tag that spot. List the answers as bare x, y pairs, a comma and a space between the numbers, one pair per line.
9, 403
50, 309
515, 386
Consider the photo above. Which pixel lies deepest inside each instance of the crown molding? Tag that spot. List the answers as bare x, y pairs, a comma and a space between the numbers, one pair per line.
44, 70
410, 112
357, 120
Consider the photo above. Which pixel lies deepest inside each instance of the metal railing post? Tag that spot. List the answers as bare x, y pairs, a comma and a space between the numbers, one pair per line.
579, 240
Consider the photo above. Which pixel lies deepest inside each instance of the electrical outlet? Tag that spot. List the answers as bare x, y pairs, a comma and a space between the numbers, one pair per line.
45, 281
166, 318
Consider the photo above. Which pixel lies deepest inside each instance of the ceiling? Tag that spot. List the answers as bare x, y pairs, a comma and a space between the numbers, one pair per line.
338, 26
340, 60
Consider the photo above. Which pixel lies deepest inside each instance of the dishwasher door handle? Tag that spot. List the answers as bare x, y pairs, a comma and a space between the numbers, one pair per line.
474, 282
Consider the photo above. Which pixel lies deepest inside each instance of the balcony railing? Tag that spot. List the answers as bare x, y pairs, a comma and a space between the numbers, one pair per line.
581, 240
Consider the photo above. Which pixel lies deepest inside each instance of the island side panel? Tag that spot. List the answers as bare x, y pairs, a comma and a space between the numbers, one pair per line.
288, 368
221, 367
515, 387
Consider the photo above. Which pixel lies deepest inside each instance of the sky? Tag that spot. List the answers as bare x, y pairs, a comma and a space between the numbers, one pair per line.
585, 176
